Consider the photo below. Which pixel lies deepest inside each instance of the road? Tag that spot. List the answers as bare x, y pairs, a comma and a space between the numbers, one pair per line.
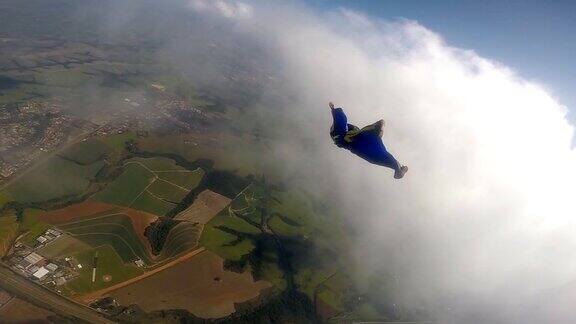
101, 293
40, 296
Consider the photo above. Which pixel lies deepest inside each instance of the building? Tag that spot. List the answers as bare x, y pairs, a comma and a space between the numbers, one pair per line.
30, 260
41, 273
51, 267
54, 232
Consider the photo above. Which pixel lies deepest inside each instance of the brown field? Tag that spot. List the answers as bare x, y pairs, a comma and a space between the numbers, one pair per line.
89, 209
206, 206
91, 297
75, 212
19, 311
199, 285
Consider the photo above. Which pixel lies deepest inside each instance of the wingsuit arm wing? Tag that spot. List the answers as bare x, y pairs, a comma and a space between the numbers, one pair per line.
339, 125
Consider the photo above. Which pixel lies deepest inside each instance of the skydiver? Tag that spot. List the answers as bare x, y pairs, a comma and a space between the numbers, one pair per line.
366, 142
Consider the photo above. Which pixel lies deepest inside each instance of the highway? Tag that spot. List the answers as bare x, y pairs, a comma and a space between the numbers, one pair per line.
40, 296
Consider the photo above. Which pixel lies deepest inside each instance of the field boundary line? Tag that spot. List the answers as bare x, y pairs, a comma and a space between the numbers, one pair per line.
140, 194
89, 219
97, 233
175, 185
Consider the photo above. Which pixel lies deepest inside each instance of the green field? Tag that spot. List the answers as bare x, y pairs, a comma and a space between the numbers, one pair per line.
167, 191
8, 231
117, 142
54, 178
31, 226
127, 187
182, 237
152, 205
109, 263
230, 153
187, 179
146, 185
63, 246
87, 152
169, 171
115, 230
157, 164
225, 244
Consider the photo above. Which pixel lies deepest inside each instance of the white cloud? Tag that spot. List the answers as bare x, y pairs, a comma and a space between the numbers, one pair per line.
228, 9
484, 220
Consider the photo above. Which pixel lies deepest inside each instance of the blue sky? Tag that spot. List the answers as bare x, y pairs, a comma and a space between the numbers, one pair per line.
537, 39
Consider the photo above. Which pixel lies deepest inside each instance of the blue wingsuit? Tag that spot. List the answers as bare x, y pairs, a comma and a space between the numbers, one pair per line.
365, 142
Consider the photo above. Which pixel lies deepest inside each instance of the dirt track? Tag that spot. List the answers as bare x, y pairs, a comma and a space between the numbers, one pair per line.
101, 293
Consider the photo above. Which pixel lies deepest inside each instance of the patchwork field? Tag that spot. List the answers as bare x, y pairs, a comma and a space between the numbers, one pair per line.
206, 205
113, 229
224, 234
223, 243
269, 229
182, 237
97, 224
146, 184
54, 178
110, 270
231, 153
211, 294
127, 188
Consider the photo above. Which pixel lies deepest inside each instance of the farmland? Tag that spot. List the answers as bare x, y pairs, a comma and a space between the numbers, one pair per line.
279, 235
206, 205
109, 264
55, 178
8, 231
229, 153
113, 229
157, 161
145, 185
97, 223
87, 152
31, 226
64, 245
127, 187
225, 244
182, 237
211, 294
20, 311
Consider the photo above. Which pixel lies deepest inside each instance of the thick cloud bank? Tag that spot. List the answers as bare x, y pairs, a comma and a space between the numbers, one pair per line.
482, 227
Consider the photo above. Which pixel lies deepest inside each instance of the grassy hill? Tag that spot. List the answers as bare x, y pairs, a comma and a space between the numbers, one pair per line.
55, 178
115, 230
